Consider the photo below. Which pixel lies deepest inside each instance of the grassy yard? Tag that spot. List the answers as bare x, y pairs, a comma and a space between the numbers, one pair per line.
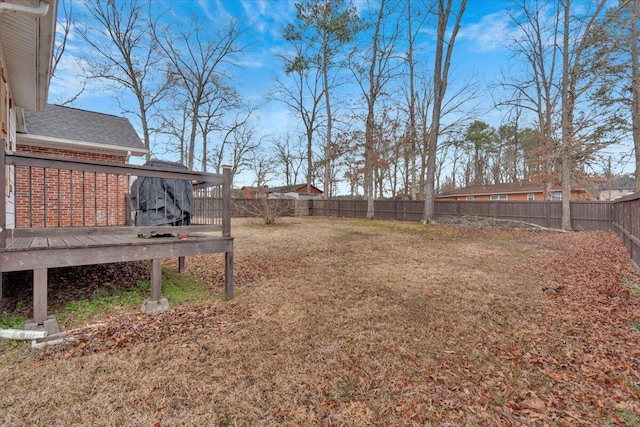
356, 323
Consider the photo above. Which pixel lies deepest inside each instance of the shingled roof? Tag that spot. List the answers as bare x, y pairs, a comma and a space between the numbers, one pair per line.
72, 126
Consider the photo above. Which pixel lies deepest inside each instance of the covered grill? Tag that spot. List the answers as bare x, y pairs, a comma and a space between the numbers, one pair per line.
162, 201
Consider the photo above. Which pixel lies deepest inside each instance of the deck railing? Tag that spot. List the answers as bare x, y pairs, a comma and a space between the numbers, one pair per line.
62, 196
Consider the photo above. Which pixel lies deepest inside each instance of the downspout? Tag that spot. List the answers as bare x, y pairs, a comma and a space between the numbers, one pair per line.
41, 10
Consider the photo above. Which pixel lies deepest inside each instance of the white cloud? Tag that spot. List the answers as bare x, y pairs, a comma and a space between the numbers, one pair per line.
492, 32
267, 16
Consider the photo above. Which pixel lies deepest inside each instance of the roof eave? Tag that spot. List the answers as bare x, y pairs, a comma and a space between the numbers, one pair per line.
68, 144
28, 41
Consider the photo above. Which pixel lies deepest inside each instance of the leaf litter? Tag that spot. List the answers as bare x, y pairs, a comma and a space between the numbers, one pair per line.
338, 322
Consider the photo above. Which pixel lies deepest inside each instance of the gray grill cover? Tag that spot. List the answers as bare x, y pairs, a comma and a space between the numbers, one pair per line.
160, 201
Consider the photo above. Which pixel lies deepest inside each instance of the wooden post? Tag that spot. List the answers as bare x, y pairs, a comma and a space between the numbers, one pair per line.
226, 202
156, 279
181, 264
228, 274
156, 303
40, 296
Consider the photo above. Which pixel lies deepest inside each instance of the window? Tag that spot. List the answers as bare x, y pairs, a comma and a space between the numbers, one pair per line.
498, 197
531, 196
470, 198
556, 196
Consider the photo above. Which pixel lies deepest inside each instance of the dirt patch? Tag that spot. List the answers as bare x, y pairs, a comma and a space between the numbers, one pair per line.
348, 322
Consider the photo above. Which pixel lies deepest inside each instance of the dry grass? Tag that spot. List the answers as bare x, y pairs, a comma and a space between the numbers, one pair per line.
355, 323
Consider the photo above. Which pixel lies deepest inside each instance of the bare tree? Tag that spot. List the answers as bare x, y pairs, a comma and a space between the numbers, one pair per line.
174, 123
262, 165
635, 85
60, 47
238, 145
538, 91
373, 69
216, 109
303, 93
442, 64
619, 94
325, 27
415, 25
129, 56
290, 156
198, 62
580, 71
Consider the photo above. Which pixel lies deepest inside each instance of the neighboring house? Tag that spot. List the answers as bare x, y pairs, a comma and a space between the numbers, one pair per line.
296, 191
71, 133
515, 191
620, 187
237, 193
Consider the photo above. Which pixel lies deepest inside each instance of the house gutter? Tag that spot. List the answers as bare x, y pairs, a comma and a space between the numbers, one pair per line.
39, 11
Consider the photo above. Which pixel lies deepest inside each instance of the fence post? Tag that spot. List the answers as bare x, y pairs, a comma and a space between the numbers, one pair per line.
547, 213
226, 201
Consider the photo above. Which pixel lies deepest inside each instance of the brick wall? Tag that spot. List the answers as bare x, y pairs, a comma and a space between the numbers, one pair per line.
63, 198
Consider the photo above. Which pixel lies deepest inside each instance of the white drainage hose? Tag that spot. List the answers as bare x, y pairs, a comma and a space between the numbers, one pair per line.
18, 334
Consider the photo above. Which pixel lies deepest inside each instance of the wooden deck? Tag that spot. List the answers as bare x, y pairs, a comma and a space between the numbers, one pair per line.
77, 214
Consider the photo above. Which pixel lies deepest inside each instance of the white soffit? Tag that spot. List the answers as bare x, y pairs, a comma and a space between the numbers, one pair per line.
27, 45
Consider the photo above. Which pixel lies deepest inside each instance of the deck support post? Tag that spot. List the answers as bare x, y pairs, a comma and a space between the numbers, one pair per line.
181, 264
228, 274
156, 279
156, 303
40, 319
40, 295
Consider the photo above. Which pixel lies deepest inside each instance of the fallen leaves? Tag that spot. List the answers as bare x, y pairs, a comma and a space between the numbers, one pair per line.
338, 322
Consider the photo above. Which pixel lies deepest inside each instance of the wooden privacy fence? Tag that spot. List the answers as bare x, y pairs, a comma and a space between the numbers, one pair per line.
622, 216
626, 224
584, 215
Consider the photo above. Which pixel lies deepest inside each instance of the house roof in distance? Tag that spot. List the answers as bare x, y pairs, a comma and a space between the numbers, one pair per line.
504, 188
283, 189
65, 126
292, 188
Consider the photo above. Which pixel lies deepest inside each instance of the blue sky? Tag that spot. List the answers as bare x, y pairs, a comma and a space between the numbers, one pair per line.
481, 54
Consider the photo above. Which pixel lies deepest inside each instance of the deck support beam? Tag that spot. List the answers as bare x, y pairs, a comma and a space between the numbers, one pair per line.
156, 303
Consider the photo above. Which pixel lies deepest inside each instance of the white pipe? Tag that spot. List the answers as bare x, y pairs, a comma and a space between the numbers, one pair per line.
41, 10
17, 334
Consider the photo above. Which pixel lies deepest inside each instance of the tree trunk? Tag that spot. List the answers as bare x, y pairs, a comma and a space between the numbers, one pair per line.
635, 87
567, 124
441, 72
327, 147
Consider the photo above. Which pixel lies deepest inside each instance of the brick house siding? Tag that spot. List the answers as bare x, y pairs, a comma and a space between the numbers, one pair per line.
65, 199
